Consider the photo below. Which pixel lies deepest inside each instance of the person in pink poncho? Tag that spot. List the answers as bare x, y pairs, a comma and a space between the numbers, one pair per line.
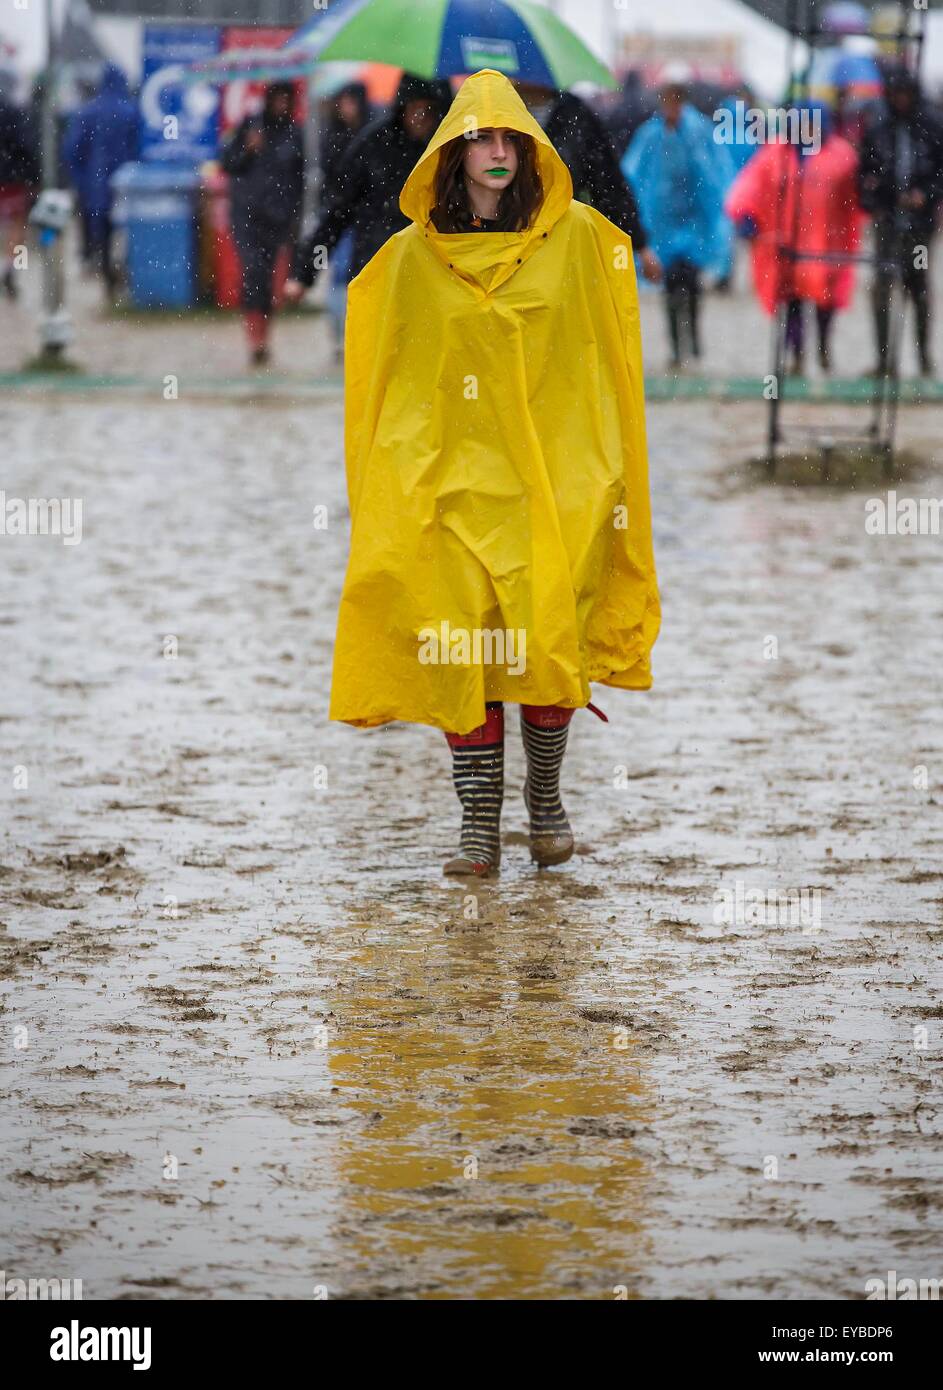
801, 196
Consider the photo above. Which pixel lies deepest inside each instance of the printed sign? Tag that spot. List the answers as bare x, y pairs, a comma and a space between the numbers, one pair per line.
242, 98
178, 123
500, 54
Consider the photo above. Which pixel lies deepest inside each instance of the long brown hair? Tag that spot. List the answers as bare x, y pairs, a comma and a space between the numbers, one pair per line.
517, 204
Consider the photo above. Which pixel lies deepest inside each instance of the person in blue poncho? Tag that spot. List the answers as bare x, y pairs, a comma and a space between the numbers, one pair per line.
679, 174
102, 135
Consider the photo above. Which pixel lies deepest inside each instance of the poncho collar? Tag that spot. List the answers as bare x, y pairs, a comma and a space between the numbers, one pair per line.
486, 99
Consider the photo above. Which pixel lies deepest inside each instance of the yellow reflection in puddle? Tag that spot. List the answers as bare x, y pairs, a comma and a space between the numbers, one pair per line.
493, 1157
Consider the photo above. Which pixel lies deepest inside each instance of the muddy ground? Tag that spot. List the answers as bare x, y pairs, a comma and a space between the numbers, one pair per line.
369, 1080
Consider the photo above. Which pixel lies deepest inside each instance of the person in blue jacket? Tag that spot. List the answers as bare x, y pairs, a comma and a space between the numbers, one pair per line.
102, 135
679, 174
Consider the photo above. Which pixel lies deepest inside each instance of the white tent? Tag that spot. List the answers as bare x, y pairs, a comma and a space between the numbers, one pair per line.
932, 70
24, 28
761, 45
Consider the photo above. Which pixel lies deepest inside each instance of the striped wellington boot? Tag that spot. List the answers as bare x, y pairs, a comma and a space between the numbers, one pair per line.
478, 774
544, 729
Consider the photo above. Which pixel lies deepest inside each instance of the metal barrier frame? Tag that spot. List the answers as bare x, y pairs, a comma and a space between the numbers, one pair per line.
802, 23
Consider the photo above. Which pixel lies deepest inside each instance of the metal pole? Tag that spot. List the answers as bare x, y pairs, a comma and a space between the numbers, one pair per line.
49, 106
910, 50
773, 437
55, 325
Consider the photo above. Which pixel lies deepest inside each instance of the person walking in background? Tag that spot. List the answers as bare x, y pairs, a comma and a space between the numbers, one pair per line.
679, 174
801, 198
849, 116
103, 134
364, 192
633, 107
901, 186
19, 179
583, 143
87, 89
350, 115
265, 162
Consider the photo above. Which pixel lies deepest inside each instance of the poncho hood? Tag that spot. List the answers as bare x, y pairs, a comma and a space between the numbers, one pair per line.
487, 99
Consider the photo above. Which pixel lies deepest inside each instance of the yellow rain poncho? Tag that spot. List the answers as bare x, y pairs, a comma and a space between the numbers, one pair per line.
496, 460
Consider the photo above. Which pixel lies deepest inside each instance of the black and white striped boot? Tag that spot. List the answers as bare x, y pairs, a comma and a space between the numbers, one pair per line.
544, 729
478, 774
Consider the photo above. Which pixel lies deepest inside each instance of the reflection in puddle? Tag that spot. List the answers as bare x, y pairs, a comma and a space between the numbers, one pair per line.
494, 1154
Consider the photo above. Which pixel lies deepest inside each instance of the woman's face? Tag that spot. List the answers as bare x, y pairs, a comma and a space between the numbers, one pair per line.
279, 104
348, 108
491, 157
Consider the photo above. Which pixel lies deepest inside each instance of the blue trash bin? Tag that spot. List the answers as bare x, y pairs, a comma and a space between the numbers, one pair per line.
157, 205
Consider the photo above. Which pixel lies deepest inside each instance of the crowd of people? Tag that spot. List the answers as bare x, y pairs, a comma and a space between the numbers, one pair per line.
801, 197
100, 135
659, 164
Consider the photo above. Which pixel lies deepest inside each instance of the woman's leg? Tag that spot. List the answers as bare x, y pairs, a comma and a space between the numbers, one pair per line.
917, 285
337, 294
694, 309
824, 316
544, 730
257, 250
478, 774
795, 337
674, 301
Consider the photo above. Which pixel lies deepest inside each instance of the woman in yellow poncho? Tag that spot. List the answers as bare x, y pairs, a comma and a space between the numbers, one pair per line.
496, 466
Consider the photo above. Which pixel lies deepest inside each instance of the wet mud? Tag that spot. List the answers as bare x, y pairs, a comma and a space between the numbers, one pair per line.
255, 1045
